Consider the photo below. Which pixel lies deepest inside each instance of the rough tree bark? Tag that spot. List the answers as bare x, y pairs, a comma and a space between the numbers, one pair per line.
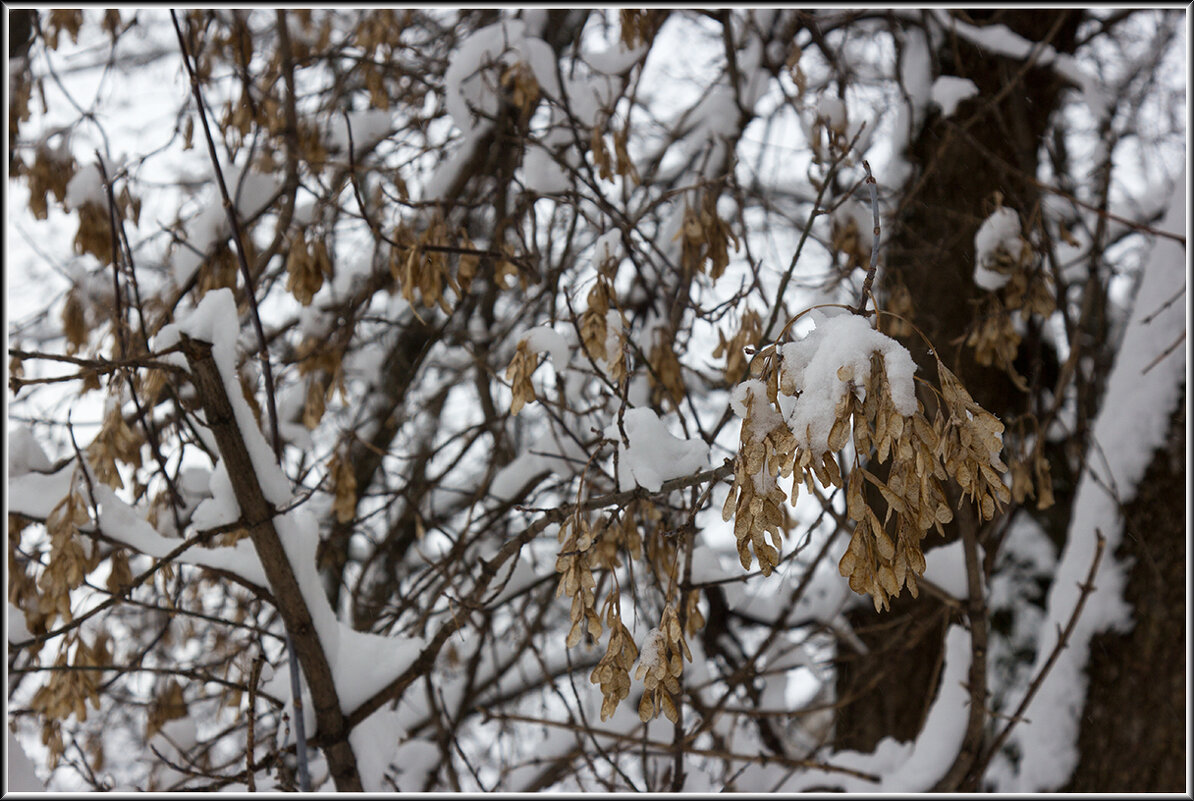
1133, 735
931, 251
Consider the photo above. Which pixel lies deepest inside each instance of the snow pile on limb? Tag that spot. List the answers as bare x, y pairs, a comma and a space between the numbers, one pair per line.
999, 248
652, 455
1143, 389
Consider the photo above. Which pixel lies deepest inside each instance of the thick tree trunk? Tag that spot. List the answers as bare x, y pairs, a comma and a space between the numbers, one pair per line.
960, 164
1133, 734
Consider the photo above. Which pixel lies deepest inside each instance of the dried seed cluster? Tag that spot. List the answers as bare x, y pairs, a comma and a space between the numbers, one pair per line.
518, 80
595, 323
575, 566
414, 266
664, 376
307, 264
885, 424
344, 487
621, 163
766, 449
116, 441
638, 25
50, 172
66, 692
845, 239
519, 372
660, 667
704, 236
612, 673
750, 330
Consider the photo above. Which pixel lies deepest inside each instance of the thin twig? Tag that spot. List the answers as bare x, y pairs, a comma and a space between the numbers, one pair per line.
1086, 588
870, 274
234, 223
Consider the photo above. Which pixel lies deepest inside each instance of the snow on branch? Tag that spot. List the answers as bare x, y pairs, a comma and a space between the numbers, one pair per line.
341, 666
1132, 422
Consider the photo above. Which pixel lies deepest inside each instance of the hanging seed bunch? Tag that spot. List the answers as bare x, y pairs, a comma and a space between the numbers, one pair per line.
415, 266
51, 171
970, 445
847, 384
307, 265
575, 566
594, 320
116, 441
899, 304
660, 667
766, 450
616, 536
638, 25
750, 329
603, 330
68, 563
219, 269
67, 691
344, 486
1031, 477
612, 673
704, 236
664, 377
847, 238
518, 81
1007, 266
519, 375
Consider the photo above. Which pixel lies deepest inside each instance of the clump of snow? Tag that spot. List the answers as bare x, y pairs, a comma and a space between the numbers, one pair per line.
916, 72
950, 90
121, 522
361, 663
654, 651
832, 111
215, 320
471, 91
25, 454
608, 247
545, 338
999, 233
841, 343
653, 455
374, 745
762, 414
36, 494
220, 508
368, 127
22, 778
542, 174
547, 453
616, 60
17, 630
415, 760
86, 186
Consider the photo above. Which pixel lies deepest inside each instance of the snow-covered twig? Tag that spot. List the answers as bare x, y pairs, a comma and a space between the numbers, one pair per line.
1087, 587
259, 513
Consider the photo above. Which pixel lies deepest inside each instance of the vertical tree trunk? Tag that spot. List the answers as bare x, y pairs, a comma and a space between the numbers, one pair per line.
958, 169
1133, 734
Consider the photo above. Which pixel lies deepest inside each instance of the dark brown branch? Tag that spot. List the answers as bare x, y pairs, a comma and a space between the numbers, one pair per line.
331, 728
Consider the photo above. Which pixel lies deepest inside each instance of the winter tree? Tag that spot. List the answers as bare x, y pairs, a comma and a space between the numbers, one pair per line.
764, 400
